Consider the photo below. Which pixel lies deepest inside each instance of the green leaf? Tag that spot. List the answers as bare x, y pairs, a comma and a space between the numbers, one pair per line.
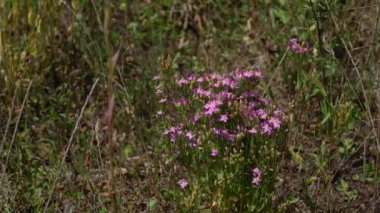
283, 15
319, 85
282, 2
128, 151
326, 118
293, 200
152, 204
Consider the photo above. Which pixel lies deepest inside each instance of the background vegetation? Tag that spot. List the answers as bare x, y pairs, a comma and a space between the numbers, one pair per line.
78, 125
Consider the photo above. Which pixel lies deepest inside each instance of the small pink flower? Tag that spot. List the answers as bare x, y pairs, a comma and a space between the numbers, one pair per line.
197, 116
256, 171
159, 91
200, 79
182, 81
198, 91
258, 74
228, 136
162, 100
223, 118
262, 114
256, 176
252, 131
189, 135
195, 143
212, 107
215, 76
184, 101
275, 123
191, 77
183, 183
214, 152
248, 74
216, 84
278, 112
206, 93
216, 131
225, 94
233, 85
266, 129
296, 46
203, 92
226, 82
256, 180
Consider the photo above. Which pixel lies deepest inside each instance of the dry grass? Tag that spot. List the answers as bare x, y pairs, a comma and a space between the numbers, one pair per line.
63, 46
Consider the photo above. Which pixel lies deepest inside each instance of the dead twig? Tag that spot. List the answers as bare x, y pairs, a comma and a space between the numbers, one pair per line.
16, 127
8, 122
69, 145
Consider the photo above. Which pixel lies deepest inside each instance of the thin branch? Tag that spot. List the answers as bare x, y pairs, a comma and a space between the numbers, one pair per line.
8, 122
69, 145
16, 127
320, 40
276, 71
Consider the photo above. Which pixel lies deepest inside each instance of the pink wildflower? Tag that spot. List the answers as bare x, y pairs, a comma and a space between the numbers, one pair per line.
225, 94
203, 92
226, 82
191, 77
182, 81
252, 131
183, 183
216, 131
266, 129
214, 152
162, 100
262, 114
189, 135
279, 113
256, 176
248, 74
216, 84
212, 107
256, 171
159, 91
295, 45
215, 76
233, 85
256, 180
200, 79
197, 116
275, 123
195, 143
223, 118
184, 101
173, 132
226, 135
258, 74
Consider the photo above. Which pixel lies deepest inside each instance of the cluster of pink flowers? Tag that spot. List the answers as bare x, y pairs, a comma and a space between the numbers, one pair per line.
299, 47
224, 104
218, 107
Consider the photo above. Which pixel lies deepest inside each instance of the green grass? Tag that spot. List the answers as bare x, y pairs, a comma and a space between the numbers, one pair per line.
328, 158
